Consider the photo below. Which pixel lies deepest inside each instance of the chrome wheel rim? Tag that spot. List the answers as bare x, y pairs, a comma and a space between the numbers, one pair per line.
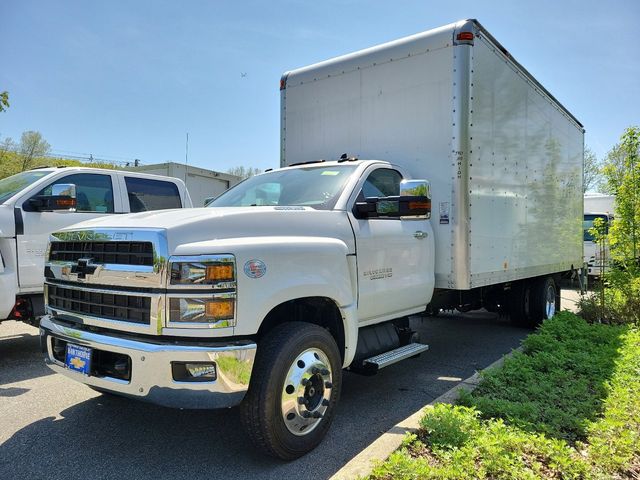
550, 303
306, 392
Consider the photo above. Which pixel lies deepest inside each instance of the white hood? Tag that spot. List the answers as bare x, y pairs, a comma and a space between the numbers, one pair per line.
191, 225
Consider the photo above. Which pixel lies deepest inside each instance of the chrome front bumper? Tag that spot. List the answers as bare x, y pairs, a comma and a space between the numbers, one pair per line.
151, 377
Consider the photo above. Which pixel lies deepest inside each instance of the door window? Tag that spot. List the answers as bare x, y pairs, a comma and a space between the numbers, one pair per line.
94, 192
382, 182
148, 194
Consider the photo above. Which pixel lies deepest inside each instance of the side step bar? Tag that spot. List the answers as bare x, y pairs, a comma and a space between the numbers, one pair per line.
393, 356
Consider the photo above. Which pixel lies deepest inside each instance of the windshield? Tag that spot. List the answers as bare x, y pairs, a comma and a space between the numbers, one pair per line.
316, 187
11, 185
587, 224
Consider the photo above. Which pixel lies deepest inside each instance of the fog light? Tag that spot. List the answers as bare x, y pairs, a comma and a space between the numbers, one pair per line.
199, 370
194, 372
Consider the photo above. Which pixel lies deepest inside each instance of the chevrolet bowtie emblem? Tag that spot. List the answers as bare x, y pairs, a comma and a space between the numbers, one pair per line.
84, 267
77, 362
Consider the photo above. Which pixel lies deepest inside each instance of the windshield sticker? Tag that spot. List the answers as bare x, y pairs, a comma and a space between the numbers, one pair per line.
255, 268
330, 172
444, 213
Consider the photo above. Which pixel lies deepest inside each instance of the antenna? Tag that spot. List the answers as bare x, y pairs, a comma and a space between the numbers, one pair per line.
186, 159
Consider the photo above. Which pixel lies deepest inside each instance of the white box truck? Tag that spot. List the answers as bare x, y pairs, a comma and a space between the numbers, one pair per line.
37, 202
596, 256
293, 275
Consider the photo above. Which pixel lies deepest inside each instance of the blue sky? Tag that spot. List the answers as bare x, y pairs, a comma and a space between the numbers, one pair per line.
127, 79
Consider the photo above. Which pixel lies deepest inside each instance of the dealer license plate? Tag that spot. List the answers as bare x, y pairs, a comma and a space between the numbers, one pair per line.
78, 359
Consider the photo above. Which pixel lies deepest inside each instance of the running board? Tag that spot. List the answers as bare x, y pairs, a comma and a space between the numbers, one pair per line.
393, 356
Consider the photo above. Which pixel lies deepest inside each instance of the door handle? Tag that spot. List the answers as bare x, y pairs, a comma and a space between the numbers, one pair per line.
420, 234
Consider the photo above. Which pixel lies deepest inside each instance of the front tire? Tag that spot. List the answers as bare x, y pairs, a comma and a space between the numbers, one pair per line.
294, 389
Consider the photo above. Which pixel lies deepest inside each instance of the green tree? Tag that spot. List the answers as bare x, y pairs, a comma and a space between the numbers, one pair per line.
8, 157
619, 300
7, 146
612, 170
32, 147
625, 185
32, 152
592, 170
4, 101
244, 172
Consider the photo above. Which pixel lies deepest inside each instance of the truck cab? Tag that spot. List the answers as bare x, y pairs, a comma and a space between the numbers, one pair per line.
29, 214
330, 250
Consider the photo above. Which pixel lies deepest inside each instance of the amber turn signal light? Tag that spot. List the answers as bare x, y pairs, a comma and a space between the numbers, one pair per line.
219, 273
219, 309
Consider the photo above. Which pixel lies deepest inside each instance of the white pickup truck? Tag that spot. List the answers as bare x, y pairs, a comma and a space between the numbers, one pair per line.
37, 202
264, 297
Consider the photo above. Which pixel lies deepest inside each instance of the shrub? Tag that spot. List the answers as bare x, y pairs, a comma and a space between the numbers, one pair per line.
489, 449
573, 380
556, 384
449, 427
621, 300
614, 440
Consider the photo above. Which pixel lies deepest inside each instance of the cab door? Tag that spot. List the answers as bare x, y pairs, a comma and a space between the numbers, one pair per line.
395, 256
95, 197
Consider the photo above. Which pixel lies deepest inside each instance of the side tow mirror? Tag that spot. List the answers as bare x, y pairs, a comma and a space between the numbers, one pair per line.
414, 201
415, 198
63, 197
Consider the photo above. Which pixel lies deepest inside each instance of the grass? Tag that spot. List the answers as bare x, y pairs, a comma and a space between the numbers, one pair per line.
234, 369
568, 406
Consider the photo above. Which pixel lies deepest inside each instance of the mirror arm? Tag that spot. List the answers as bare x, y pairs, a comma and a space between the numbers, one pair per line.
366, 209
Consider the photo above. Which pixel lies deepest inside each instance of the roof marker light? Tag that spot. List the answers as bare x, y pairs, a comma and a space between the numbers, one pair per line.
468, 36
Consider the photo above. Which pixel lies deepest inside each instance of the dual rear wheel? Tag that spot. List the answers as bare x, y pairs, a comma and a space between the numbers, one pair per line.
532, 302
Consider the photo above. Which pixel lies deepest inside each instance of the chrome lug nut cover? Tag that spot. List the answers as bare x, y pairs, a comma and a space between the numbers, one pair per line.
306, 392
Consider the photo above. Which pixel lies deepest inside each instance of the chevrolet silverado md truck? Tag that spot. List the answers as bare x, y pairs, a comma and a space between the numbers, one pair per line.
461, 188
37, 202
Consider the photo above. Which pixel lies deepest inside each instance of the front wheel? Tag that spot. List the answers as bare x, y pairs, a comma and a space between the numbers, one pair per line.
294, 389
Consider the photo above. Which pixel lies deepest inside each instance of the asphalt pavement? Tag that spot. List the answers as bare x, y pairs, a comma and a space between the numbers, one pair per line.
54, 428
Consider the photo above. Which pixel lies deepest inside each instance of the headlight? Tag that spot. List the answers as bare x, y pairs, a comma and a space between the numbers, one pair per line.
212, 270
211, 298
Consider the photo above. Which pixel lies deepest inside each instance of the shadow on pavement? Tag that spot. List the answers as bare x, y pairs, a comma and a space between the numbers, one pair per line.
20, 357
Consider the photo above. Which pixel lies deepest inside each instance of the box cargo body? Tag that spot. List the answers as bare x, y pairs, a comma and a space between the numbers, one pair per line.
450, 105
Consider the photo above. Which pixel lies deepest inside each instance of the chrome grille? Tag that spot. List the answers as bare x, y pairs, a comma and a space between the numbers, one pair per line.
112, 252
112, 306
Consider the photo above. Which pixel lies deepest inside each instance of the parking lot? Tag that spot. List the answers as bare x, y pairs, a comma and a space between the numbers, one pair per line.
52, 427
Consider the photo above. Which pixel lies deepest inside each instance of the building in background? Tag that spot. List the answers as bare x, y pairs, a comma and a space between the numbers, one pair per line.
201, 183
